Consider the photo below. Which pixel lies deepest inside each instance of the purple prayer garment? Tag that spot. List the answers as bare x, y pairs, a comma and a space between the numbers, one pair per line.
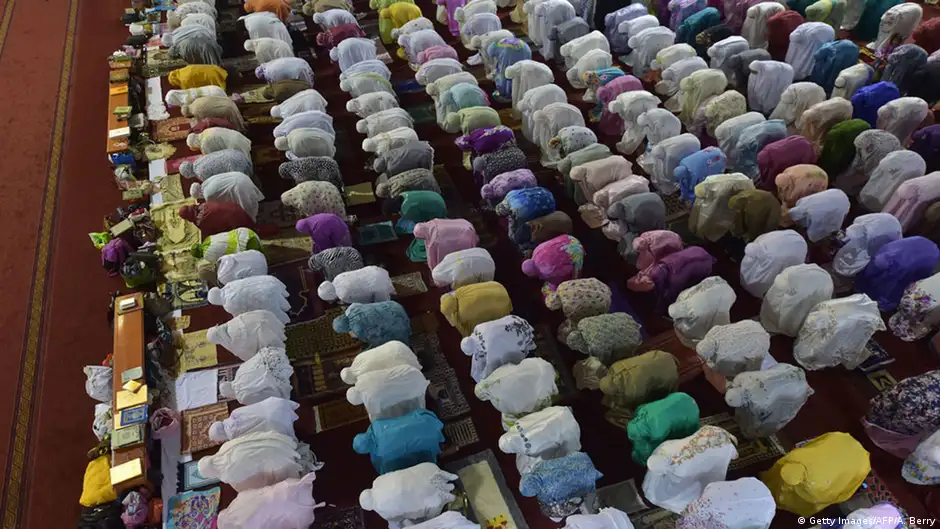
612, 123
497, 188
776, 157
327, 231
452, 6
679, 271
113, 255
926, 143
894, 267
487, 139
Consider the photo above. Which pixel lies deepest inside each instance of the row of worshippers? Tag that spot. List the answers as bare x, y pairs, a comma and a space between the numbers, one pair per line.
260, 456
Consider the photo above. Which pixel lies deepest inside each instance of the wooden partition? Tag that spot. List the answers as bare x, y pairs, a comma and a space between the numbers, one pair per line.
128, 353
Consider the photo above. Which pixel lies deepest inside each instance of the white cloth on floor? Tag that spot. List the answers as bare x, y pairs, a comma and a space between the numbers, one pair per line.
766, 400
389, 393
365, 285
679, 470
508, 340
701, 307
768, 255
836, 331
796, 290
732, 349
386, 356
266, 374
253, 461
252, 293
410, 495
272, 414
247, 333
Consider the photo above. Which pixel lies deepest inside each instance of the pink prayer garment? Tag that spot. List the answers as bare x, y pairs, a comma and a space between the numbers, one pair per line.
555, 261
651, 247
912, 197
326, 230
444, 236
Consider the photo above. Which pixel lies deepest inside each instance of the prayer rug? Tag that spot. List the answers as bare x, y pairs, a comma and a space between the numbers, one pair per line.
194, 510
377, 233
675, 207
507, 118
160, 64
348, 518
183, 295
409, 285
623, 496
444, 396
171, 188
195, 351
422, 114
882, 380
619, 303
427, 347
337, 413
546, 348
750, 451
877, 359
359, 194
877, 492
259, 114
482, 493
174, 232
158, 151
227, 21
179, 265
458, 435
189, 478
410, 86
654, 518
288, 246
319, 377
690, 363
424, 322
194, 434
317, 338
173, 129
254, 94
242, 63
301, 286
276, 213
266, 154
226, 373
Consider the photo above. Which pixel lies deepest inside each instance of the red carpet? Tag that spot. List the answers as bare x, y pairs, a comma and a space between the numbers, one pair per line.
53, 318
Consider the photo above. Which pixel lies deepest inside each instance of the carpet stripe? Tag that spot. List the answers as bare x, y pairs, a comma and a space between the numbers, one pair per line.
21, 424
5, 22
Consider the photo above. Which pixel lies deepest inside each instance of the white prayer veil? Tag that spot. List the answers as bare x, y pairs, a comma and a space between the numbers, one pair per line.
805, 40
701, 307
766, 400
893, 170
836, 331
796, 290
769, 255
863, 238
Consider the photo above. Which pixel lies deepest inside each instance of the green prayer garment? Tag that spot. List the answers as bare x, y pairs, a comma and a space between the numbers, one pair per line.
422, 206
673, 417
839, 145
